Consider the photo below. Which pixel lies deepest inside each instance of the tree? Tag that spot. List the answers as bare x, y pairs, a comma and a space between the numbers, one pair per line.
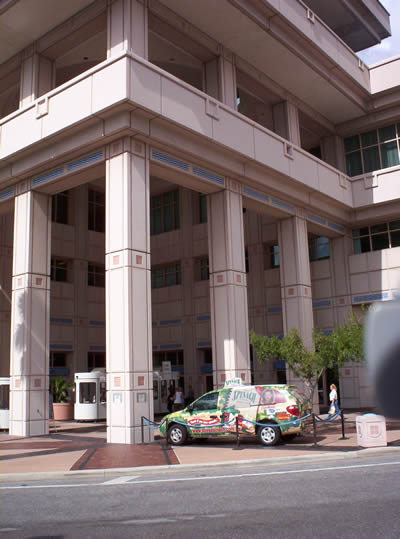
343, 345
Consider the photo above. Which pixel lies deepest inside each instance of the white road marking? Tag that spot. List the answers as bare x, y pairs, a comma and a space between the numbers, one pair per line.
205, 478
120, 480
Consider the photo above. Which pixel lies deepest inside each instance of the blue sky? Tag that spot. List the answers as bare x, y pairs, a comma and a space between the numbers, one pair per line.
390, 46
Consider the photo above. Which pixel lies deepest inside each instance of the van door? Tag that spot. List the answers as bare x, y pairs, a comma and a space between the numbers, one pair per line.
205, 416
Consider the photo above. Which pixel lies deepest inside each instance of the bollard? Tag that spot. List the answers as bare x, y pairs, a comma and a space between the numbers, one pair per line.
342, 418
315, 430
237, 435
142, 427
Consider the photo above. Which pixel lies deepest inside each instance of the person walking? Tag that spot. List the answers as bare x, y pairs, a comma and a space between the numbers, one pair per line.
333, 398
170, 399
179, 399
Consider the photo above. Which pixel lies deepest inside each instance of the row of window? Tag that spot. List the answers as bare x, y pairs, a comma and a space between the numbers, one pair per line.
376, 237
61, 271
318, 249
373, 150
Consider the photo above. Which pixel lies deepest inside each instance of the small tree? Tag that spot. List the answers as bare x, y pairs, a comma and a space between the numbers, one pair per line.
344, 344
59, 388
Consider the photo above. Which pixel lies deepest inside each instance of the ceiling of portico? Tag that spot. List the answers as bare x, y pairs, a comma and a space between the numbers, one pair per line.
244, 37
20, 25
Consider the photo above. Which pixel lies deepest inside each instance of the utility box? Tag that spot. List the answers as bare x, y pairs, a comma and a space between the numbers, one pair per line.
371, 430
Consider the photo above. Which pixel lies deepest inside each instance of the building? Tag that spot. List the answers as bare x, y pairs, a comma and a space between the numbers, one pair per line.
175, 172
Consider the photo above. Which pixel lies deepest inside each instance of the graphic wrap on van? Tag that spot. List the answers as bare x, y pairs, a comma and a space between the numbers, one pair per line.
215, 413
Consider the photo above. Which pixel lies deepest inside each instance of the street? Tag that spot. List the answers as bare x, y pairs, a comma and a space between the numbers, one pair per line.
353, 497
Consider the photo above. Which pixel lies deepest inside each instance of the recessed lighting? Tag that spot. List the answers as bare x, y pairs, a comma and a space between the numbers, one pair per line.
86, 57
172, 59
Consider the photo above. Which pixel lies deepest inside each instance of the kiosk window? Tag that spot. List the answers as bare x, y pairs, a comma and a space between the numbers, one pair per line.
87, 392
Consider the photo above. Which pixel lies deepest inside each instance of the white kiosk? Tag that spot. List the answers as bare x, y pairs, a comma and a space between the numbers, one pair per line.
161, 383
4, 402
90, 403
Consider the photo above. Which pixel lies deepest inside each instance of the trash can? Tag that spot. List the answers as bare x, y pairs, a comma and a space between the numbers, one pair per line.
371, 430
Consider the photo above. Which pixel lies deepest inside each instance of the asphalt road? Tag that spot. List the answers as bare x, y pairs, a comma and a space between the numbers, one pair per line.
352, 498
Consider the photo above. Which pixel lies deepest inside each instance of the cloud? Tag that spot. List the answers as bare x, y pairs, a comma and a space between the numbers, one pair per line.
390, 46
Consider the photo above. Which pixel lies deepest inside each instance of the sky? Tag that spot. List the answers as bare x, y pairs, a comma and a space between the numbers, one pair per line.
390, 46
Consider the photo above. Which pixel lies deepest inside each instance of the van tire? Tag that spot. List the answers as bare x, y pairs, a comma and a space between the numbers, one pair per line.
269, 435
177, 434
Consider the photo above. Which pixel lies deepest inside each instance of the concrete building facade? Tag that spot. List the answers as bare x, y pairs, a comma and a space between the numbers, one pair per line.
174, 173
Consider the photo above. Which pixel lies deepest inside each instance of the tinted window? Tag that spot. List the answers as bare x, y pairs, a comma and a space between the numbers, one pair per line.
208, 402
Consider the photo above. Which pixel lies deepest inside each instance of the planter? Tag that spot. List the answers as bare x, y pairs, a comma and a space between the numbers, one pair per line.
63, 411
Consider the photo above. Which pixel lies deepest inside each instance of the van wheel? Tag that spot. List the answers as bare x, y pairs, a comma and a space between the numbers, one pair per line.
177, 434
269, 435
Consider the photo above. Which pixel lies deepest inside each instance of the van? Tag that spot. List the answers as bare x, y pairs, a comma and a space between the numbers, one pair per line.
282, 408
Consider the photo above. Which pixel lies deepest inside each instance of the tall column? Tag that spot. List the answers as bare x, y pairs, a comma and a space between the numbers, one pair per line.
127, 27
228, 288
188, 269
29, 403
5, 292
36, 77
80, 279
286, 121
295, 277
128, 292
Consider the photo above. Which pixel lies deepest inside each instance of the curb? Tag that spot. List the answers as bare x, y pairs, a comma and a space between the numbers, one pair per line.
105, 473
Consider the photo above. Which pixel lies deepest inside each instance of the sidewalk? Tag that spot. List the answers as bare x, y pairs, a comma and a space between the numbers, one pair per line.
75, 447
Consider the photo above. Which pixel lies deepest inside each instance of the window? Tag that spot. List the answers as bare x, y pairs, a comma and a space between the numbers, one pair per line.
59, 208
96, 360
174, 356
373, 150
376, 237
58, 359
87, 392
164, 212
96, 276
246, 260
166, 276
318, 248
96, 213
274, 256
203, 209
204, 269
208, 402
4, 397
60, 270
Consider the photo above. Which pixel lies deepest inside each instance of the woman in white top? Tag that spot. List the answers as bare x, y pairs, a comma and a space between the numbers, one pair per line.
333, 398
179, 400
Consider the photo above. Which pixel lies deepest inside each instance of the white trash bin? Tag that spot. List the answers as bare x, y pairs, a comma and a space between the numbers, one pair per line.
371, 430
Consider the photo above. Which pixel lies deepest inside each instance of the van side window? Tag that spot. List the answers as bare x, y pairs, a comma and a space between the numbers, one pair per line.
208, 402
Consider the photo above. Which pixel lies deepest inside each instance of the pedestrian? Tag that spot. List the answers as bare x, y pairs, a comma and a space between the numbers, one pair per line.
190, 396
179, 399
170, 398
333, 398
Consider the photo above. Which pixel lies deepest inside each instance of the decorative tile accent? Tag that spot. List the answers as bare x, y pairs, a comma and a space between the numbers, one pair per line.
138, 147
341, 301
291, 292
19, 281
139, 259
347, 372
37, 382
39, 281
220, 278
238, 278
243, 376
117, 381
223, 378
17, 384
115, 260
140, 380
